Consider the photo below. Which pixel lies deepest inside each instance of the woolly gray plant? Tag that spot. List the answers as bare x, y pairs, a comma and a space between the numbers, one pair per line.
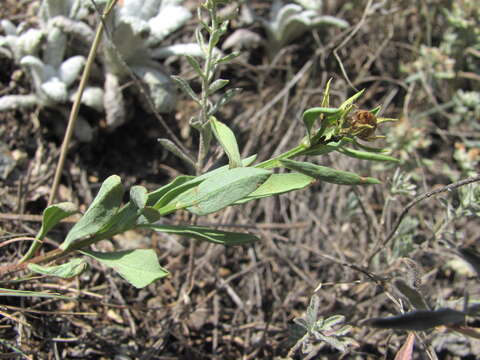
132, 46
138, 29
290, 21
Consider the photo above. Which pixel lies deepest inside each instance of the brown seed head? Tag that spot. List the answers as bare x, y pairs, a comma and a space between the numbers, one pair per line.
364, 124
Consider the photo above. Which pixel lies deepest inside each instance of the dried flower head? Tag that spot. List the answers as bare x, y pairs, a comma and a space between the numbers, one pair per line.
363, 124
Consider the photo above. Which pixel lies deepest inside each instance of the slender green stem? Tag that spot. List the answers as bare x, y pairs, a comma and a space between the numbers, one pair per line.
275, 162
206, 79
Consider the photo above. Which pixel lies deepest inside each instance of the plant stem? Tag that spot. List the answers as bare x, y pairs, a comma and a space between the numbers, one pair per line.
275, 162
414, 202
76, 104
208, 71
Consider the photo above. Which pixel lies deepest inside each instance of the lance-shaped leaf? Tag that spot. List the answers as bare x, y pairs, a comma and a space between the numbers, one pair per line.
98, 215
185, 86
174, 149
365, 155
327, 174
181, 184
227, 140
349, 102
225, 98
326, 94
175, 192
227, 58
156, 195
195, 65
310, 116
139, 267
68, 270
161, 197
206, 234
217, 85
52, 215
219, 191
278, 184
419, 320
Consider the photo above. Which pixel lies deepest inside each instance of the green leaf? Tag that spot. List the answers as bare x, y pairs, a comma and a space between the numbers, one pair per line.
227, 58
207, 234
349, 102
52, 215
225, 98
278, 184
68, 270
326, 94
139, 267
219, 191
175, 192
365, 155
376, 110
327, 174
217, 85
185, 86
174, 149
227, 140
215, 36
149, 215
156, 195
311, 115
195, 65
181, 184
138, 196
199, 38
98, 215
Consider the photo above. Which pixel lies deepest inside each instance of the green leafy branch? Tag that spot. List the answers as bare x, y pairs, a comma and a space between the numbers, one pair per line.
317, 328
328, 129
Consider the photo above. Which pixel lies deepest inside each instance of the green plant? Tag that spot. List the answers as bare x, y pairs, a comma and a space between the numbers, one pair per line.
328, 129
316, 328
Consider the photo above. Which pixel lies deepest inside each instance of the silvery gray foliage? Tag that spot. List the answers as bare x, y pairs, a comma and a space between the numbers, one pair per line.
43, 52
466, 107
311, 4
18, 41
137, 30
139, 27
319, 329
289, 21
